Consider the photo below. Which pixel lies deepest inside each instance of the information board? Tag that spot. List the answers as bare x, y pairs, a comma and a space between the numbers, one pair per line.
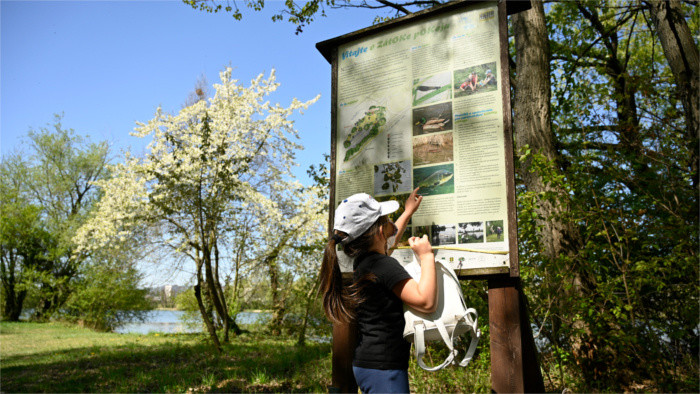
422, 105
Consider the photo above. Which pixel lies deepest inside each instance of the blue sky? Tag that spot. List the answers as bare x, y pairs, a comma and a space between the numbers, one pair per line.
107, 64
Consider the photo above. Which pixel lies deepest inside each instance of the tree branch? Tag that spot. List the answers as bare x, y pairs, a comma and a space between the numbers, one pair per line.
398, 7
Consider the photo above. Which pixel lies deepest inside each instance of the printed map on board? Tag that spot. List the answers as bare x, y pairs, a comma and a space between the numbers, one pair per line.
364, 131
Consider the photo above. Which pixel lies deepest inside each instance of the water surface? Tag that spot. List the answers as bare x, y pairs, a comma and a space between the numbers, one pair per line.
169, 322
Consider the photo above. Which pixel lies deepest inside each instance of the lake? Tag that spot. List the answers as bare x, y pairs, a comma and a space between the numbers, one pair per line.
168, 322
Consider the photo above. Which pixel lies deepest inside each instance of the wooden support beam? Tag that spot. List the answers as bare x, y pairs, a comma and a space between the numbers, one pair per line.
514, 364
504, 325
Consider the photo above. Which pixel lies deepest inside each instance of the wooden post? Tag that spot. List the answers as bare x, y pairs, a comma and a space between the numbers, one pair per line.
506, 349
344, 335
514, 366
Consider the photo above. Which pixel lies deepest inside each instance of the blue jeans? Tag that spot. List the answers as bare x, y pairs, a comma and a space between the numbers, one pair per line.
381, 380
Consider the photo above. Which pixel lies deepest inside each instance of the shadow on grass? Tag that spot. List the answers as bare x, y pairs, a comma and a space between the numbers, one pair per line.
246, 365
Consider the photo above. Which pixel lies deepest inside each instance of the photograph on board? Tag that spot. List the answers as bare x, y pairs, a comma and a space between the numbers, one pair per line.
401, 199
473, 80
392, 178
435, 180
444, 234
471, 232
433, 149
420, 231
494, 231
432, 119
432, 88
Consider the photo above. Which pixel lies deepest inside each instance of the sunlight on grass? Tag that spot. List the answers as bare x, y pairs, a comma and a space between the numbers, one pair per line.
53, 341
74, 359
208, 380
260, 377
62, 358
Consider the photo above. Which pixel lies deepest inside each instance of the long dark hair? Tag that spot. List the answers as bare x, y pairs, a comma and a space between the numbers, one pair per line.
339, 302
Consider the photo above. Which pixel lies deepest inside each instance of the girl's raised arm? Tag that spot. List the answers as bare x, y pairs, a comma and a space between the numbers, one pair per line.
421, 295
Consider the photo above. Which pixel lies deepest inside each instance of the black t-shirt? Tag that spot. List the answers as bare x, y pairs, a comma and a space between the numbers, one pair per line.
380, 322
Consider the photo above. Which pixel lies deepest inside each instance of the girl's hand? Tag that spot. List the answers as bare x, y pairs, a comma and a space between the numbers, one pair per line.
421, 246
413, 202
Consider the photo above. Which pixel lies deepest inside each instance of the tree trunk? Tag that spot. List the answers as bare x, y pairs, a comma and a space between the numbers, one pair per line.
203, 310
239, 258
13, 302
278, 309
277, 302
229, 323
310, 296
532, 127
213, 294
683, 57
532, 122
13, 299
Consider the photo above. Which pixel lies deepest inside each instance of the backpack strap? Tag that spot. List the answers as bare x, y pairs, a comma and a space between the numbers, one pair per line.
474, 332
419, 345
470, 318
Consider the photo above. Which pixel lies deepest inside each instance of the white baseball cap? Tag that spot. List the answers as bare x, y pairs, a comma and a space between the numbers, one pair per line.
357, 213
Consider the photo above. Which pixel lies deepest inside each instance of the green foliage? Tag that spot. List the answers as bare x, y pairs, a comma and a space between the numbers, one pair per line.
392, 176
305, 316
106, 295
624, 286
305, 13
191, 318
47, 194
300, 15
23, 250
639, 277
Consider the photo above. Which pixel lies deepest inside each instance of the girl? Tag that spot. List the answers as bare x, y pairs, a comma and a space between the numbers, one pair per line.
381, 286
471, 82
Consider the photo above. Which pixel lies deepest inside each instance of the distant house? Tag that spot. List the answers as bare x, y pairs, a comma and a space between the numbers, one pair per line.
164, 296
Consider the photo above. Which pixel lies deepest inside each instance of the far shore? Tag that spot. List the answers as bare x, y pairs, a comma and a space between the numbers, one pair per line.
245, 310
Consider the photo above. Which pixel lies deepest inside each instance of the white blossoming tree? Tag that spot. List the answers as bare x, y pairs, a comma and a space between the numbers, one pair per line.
216, 163
289, 243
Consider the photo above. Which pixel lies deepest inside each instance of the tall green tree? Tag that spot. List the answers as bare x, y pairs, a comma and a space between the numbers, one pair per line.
61, 171
24, 243
618, 173
47, 192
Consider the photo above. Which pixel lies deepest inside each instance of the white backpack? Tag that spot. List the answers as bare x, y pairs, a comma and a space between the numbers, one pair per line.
450, 320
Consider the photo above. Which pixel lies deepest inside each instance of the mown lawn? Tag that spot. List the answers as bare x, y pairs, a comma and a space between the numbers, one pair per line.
57, 357
54, 357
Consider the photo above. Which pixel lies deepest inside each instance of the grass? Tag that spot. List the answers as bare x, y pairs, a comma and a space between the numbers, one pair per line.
494, 238
430, 95
57, 357
475, 378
